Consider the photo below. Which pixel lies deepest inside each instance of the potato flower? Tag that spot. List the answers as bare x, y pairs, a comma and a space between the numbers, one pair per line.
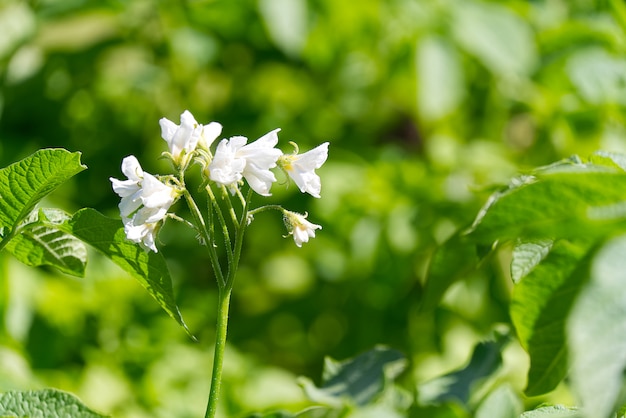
301, 168
235, 160
144, 204
299, 227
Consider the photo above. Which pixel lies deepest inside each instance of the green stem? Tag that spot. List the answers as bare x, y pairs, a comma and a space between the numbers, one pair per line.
224, 293
201, 225
220, 345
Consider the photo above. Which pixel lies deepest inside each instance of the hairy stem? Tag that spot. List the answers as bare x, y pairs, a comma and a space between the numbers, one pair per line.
220, 345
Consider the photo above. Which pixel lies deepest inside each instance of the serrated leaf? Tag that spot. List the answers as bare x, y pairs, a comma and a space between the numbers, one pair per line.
456, 386
596, 330
540, 303
24, 183
41, 242
149, 268
43, 404
356, 381
556, 411
566, 200
527, 255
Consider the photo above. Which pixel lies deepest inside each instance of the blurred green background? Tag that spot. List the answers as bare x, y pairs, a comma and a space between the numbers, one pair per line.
427, 105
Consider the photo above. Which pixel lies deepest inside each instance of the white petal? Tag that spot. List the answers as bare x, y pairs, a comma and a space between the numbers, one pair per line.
155, 193
124, 188
260, 180
210, 133
307, 181
130, 204
168, 129
312, 159
131, 168
225, 168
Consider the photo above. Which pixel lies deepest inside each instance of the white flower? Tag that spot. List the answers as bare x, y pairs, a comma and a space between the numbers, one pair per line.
299, 227
301, 168
143, 234
145, 202
235, 160
188, 135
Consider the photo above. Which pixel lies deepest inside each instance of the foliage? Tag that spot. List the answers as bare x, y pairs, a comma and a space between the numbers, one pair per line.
427, 105
42, 404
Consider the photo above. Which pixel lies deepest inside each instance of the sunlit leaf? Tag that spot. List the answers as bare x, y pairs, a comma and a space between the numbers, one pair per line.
43, 404
598, 76
149, 268
567, 200
556, 411
596, 331
439, 76
41, 242
356, 381
527, 255
24, 183
500, 39
539, 307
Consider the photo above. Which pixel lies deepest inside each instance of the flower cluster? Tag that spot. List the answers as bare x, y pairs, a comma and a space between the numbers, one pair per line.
147, 199
145, 202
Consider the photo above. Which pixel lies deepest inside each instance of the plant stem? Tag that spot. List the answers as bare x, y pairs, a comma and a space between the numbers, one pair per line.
220, 345
225, 288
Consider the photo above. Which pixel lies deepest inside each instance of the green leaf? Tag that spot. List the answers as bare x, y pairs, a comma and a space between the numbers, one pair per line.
567, 200
41, 242
149, 268
24, 183
596, 330
456, 386
540, 303
598, 76
527, 255
501, 403
43, 404
500, 39
556, 411
359, 380
452, 261
440, 78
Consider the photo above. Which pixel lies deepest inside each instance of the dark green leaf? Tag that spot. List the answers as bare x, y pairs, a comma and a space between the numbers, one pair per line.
456, 386
149, 268
539, 307
24, 183
41, 242
43, 404
358, 380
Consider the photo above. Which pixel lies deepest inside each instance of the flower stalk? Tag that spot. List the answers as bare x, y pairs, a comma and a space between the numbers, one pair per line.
147, 199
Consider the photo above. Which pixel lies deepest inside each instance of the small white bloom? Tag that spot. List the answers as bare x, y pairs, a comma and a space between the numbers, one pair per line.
301, 168
143, 234
183, 137
188, 135
144, 204
299, 227
235, 160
